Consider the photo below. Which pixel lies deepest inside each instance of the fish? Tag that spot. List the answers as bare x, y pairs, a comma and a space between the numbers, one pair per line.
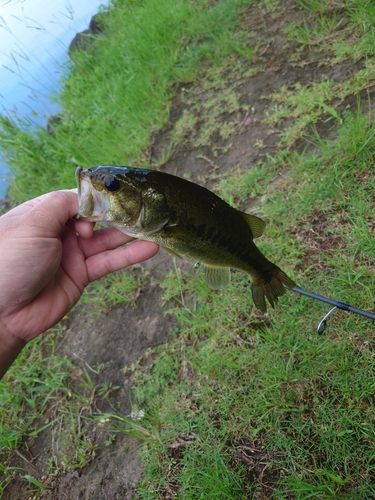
186, 219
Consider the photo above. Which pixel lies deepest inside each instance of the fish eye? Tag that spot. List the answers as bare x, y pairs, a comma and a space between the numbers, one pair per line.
112, 184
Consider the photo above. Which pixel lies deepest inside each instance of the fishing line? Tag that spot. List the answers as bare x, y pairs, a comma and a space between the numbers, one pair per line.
336, 305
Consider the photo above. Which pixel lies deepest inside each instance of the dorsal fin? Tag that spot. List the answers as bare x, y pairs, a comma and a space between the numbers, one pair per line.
256, 224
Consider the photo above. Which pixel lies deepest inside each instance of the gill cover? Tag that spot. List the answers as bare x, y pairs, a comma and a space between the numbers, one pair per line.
123, 197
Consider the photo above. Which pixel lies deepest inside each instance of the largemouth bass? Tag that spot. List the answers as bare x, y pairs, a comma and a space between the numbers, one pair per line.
184, 218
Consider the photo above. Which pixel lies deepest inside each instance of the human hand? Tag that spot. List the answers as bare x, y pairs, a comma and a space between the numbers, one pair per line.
46, 260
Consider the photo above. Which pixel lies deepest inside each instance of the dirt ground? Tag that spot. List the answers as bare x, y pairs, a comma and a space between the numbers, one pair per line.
124, 334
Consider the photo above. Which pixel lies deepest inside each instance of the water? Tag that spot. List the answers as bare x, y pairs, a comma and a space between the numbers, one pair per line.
34, 39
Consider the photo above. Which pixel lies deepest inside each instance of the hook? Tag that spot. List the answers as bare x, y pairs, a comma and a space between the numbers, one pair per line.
337, 305
323, 323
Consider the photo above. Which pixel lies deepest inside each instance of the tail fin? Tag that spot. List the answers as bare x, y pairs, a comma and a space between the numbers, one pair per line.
271, 289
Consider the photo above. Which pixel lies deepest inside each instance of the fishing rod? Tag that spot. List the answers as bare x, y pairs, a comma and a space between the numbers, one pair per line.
336, 305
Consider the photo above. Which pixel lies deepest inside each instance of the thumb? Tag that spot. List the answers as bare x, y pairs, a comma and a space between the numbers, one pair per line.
46, 215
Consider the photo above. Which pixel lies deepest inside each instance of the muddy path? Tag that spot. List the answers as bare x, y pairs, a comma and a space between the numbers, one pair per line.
124, 334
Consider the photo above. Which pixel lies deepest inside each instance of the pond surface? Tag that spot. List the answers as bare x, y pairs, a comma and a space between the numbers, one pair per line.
34, 39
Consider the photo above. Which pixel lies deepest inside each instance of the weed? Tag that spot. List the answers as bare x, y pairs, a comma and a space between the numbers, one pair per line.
212, 109
240, 404
234, 377
121, 287
308, 104
35, 482
117, 91
344, 30
45, 392
237, 186
116, 94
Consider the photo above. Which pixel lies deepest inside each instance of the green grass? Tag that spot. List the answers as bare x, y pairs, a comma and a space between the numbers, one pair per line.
45, 392
115, 96
117, 93
304, 402
338, 32
212, 109
345, 30
272, 408
121, 287
307, 105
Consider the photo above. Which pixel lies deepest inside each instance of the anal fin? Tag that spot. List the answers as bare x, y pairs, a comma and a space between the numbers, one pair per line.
217, 277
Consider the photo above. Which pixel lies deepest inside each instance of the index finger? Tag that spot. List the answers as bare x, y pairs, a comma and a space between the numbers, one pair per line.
103, 239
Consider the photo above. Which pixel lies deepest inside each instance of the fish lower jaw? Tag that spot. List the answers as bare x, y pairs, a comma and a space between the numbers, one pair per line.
93, 217
132, 231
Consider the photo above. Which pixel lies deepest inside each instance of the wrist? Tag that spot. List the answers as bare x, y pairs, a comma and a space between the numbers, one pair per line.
10, 348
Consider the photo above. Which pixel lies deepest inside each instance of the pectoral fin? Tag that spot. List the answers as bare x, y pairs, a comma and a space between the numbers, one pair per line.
217, 277
173, 252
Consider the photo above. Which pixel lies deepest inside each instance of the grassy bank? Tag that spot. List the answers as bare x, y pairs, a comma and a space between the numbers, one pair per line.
274, 408
238, 405
117, 92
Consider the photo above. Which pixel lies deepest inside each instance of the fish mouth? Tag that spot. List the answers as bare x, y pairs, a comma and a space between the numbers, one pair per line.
92, 204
